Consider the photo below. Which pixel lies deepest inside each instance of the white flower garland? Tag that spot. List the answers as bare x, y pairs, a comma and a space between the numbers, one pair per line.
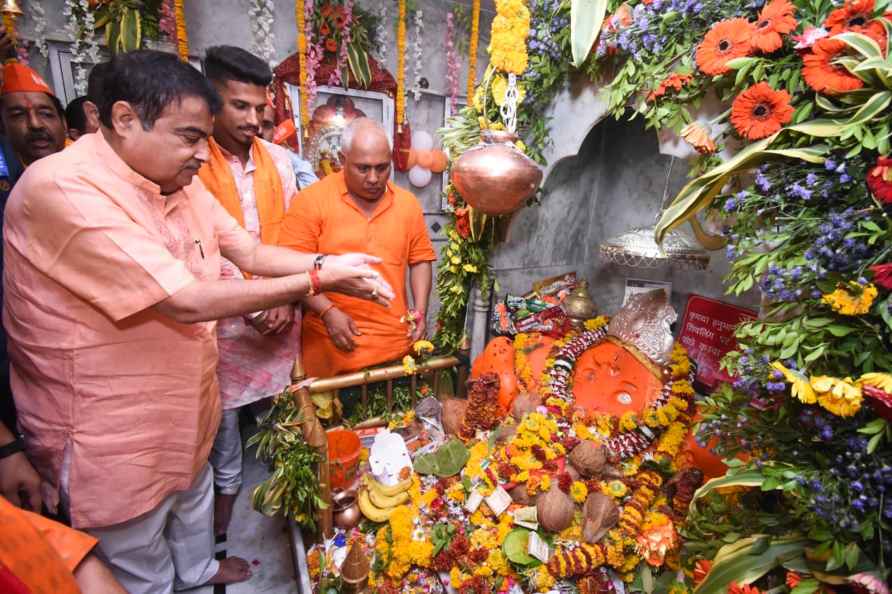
382, 32
418, 54
77, 34
38, 15
262, 13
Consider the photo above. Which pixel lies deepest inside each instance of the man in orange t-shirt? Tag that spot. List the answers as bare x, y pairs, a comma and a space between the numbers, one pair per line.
358, 208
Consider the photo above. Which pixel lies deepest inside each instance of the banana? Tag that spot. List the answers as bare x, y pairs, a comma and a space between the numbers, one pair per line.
385, 502
384, 491
369, 509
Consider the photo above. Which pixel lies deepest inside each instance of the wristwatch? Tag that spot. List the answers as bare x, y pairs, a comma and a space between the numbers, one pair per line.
13, 447
317, 263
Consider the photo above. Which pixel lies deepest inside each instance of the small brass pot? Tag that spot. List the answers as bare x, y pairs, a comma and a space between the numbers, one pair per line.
346, 510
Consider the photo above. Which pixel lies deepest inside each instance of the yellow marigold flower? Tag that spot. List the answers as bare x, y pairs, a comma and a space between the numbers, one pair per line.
545, 483
455, 577
595, 323
423, 346
409, 365
615, 488
499, 88
851, 299
455, 260
469, 268
801, 388
456, 289
628, 421
578, 491
521, 146
543, 580
456, 493
582, 431
841, 397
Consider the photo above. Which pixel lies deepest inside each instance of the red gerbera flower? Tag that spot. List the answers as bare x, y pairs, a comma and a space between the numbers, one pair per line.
736, 588
822, 74
880, 401
879, 180
760, 111
674, 81
853, 14
882, 275
462, 223
725, 41
701, 570
774, 20
793, 579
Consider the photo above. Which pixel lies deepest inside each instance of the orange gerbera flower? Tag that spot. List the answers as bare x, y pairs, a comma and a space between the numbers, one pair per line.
725, 41
822, 74
854, 14
775, 19
674, 81
760, 111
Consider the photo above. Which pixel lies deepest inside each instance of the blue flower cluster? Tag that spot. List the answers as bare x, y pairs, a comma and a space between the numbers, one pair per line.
545, 24
833, 250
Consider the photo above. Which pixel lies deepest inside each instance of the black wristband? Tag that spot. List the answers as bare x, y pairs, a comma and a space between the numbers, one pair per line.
317, 263
13, 447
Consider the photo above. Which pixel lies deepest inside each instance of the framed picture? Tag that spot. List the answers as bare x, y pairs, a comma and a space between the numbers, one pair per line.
332, 108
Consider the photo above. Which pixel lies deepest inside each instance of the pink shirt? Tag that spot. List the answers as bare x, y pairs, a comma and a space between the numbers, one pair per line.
127, 397
253, 366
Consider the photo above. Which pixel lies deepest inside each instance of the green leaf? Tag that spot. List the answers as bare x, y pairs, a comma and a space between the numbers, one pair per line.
448, 460
806, 587
839, 330
873, 427
358, 60
747, 478
852, 553
586, 18
820, 128
747, 560
874, 443
862, 44
873, 107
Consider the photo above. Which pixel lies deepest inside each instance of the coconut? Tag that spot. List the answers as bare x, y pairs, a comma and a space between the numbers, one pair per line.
520, 495
454, 414
588, 458
601, 514
555, 509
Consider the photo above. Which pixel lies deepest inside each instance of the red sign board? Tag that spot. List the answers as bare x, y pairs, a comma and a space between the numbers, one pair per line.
707, 332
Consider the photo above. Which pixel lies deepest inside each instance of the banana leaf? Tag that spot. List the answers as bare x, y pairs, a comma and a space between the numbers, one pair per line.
699, 192
358, 60
131, 30
749, 559
861, 43
586, 18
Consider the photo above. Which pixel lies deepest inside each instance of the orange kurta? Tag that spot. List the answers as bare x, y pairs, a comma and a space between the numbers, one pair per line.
120, 399
324, 219
40, 553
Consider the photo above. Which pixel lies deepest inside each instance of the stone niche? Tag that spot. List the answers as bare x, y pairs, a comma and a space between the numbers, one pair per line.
604, 177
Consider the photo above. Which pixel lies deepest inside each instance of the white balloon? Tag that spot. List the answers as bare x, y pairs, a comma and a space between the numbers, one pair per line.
419, 176
422, 140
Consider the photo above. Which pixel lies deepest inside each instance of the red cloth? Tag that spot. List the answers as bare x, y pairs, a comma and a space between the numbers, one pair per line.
18, 78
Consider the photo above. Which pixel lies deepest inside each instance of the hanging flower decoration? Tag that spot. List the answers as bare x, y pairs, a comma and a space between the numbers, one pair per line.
508, 40
452, 67
776, 19
472, 47
300, 16
760, 111
167, 22
726, 41
182, 36
314, 51
417, 54
342, 20
37, 15
262, 15
77, 31
401, 64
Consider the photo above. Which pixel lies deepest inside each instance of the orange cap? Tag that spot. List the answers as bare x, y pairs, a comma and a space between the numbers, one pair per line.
18, 78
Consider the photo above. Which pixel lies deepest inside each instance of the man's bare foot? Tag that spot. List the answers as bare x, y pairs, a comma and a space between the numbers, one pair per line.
222, 513
232, 570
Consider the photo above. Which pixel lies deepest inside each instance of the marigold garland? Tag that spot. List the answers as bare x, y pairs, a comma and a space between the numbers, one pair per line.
9, 24
182, 37
401, 64
472, 47
300, 15
508, 38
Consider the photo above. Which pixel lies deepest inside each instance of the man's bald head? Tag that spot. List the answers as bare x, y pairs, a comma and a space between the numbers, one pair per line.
366, 154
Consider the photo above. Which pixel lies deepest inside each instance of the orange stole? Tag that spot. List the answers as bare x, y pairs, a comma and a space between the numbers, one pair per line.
268, 192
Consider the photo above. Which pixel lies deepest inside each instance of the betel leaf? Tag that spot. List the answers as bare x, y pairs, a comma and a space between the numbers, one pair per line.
448, 460
515, 547
586, 17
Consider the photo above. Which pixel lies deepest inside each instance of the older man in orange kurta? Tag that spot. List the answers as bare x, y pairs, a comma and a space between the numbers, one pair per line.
359, 209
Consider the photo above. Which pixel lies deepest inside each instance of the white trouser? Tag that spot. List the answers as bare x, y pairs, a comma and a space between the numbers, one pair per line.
170, 547
226, 456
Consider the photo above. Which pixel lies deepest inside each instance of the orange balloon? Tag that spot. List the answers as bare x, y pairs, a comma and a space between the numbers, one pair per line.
412, 160
498, 358
423, 159
439, 161
609, 379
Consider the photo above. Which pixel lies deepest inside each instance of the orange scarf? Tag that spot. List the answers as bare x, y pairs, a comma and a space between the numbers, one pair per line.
268, 193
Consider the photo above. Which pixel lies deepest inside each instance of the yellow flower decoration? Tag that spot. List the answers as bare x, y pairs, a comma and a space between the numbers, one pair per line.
499, 89
615, 488
852, 299
801, 387
578, 491
842, 397
508, 36
628, 421
409, 365
423, 346
469, 268
595, 323
883, 381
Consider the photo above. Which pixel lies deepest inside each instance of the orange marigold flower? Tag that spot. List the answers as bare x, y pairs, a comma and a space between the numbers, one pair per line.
853, 14
725, 41
760, 111
822, 75
775, 19
674, 81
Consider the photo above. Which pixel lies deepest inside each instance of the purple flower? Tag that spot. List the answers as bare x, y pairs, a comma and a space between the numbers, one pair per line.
829, 165
762, 182
845, 178
811, 179
799, 191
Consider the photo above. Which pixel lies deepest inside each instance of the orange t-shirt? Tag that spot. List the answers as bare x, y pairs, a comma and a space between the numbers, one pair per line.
40, 554
324, 219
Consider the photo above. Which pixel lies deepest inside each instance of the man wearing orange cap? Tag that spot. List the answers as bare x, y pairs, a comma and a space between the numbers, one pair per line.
33, 119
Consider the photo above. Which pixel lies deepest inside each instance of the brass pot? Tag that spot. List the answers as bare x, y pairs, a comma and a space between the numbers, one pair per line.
578, 305
494, 177
345, 511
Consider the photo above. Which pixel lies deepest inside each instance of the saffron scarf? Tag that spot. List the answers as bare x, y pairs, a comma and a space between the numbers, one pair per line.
268, 193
